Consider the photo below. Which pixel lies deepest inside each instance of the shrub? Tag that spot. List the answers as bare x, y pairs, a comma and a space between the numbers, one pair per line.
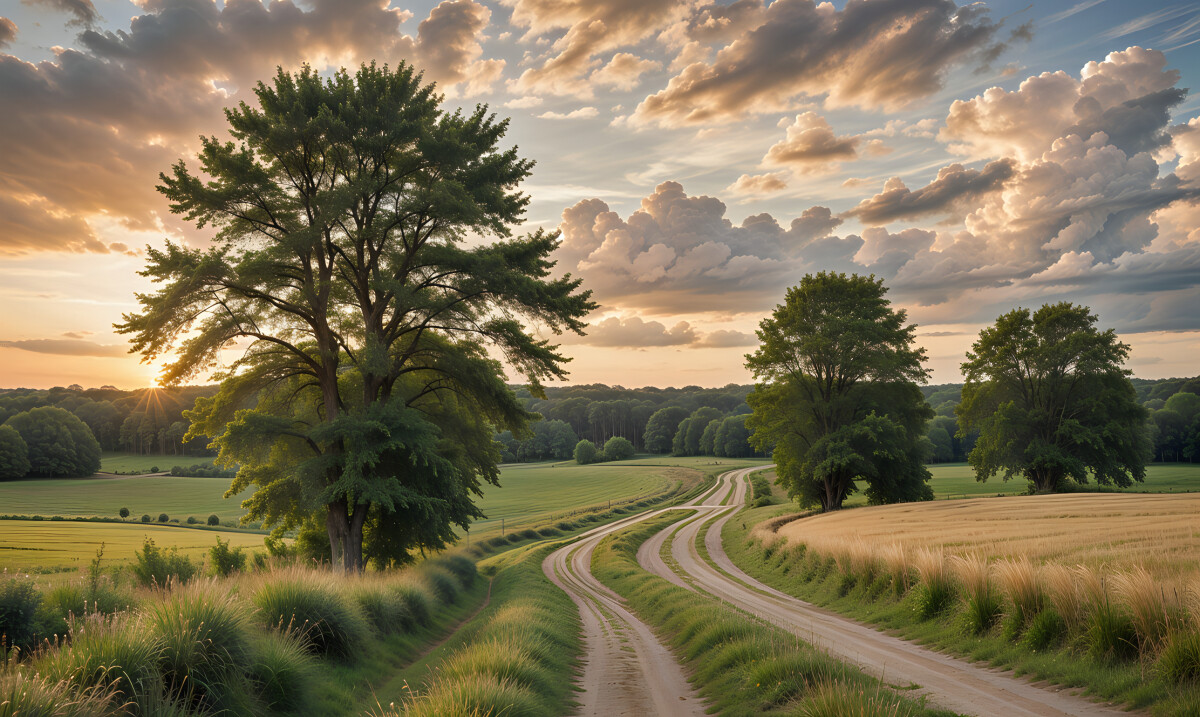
124, 512
983, 602
585, 452
618, 449
205, 652
214, 520
153, 469
309, 604
225, 560
155, 566
22, 694
113, 653
19, 601
444, 585
163, 517
146, 519
191, 520
1180, 657
282, 672
936, 590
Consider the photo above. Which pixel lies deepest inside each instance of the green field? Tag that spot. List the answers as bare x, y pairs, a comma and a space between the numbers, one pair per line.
537, 493
177, 497
111, 462
30, 544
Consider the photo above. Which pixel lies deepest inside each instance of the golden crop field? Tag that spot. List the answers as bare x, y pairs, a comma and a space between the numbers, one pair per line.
1109, 532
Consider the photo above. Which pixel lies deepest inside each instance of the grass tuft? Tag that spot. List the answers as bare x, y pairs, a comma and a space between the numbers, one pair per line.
306, 602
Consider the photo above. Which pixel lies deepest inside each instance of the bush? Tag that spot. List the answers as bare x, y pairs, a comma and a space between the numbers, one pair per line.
585, 452
214, 520
1180, 658
163, 517
124, 512
618, 449
330, 624
191, 520
153, 469
282, 673
155, 566
225, 560
146, 519
205, 652
19, 601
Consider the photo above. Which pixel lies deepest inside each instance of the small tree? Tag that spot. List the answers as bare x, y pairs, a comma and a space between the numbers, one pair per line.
163, 517
837, 395
585, 452
214, 520
1047, 392
124, 512
618, 448
59, 444
146, 518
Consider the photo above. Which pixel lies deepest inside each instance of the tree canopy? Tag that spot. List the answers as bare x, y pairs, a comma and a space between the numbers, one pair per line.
837, 397
14, 454
1051, 401
59, 445
366, 395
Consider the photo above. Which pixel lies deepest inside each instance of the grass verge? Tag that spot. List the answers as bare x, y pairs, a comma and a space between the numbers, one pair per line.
1069, 627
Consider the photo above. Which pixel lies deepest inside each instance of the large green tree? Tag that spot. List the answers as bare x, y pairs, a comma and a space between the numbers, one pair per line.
365, 261
837, 394
14, 454
59, 444
1047, 392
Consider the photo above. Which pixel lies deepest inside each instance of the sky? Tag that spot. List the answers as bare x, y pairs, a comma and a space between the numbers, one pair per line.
698, 158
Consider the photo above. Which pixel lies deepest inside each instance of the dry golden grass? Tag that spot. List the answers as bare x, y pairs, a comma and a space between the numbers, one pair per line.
1109, 533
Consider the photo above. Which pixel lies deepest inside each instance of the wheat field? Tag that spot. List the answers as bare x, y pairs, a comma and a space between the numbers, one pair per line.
1107, 532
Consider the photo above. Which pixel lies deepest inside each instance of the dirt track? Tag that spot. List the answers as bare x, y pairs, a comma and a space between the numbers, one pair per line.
626, 670
948, 682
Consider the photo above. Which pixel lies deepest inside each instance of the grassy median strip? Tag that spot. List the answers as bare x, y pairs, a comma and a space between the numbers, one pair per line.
739, 664
516, 658
1119, 638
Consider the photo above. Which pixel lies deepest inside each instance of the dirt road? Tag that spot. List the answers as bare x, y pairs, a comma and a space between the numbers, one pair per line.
626, 670
951, 683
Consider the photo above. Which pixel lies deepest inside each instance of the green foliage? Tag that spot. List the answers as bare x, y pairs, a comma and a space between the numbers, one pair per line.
1051, 402
114, 653
24, 694
1045, 629
331, 624
214, 520
733, 438
163, 518
14, 454
368, 318
19, 625
155, 566
282, 673
618, 448
1180, 658
585, 452
146, 518
123, 512
837, 399
224, 560
661, 428
58, 444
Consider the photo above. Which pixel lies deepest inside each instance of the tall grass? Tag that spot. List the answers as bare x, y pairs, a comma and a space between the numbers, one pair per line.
331, 623
23, 694
1021, 582
983, 603
936, 590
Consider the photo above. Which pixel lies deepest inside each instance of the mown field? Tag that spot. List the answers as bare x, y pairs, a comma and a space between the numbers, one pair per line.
112, 462
29, 544
178, 497
536, 493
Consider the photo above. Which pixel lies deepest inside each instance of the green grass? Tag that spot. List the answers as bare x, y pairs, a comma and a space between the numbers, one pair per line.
42, 544
957, 480
534, 494
1062, 660
112, 461
177, 497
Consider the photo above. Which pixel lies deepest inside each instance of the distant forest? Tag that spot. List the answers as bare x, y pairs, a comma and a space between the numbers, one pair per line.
684, 421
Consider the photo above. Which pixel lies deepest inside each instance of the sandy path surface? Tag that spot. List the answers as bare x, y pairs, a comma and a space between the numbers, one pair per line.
951, 683
626, 670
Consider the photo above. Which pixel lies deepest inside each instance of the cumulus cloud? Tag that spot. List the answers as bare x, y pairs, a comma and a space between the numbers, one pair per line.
67, 347
871, 54
953, 185
8, 32
624, 71
88, 132
634, 332
811, 147
724, 338
592, 27
82, 12
758, 184
1127, 96
581, 113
